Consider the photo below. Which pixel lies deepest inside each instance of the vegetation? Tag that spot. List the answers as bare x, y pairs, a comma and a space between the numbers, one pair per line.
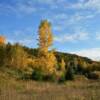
2, 40
23, 64
11, 89
43, 63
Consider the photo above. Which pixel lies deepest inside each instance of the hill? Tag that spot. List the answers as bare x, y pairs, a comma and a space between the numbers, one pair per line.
17, 81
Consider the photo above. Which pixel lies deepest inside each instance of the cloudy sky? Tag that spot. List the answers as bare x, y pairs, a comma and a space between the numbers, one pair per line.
75, 23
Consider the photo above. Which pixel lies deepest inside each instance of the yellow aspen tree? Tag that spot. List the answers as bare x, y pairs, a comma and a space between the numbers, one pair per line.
63, 65
47, 59
45, 36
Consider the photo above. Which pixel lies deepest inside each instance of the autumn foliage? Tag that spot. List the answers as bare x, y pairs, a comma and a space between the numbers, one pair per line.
43, 63
2, 40
46, 60
45, 36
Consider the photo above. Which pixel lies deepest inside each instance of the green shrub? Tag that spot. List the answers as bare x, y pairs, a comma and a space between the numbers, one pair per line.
51, 78
62, 78
69, 73
93, 75
37, 75
2, 54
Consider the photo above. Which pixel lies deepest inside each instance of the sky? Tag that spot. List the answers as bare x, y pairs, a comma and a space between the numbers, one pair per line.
75, 24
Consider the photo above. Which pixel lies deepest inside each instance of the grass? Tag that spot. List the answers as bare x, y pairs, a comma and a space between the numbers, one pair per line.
14, 89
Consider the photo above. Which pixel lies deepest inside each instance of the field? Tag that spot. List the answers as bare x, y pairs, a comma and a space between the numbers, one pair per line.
13, 89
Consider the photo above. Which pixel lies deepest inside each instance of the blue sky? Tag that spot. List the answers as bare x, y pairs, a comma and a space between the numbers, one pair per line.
75, 23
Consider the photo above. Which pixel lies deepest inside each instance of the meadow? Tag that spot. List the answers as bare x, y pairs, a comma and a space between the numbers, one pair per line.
78, 89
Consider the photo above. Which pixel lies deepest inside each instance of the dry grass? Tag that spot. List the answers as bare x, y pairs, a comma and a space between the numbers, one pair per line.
11, 89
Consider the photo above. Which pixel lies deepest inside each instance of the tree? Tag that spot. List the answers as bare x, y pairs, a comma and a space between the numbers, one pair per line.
45, 37
70, 71
16, 56
47, 59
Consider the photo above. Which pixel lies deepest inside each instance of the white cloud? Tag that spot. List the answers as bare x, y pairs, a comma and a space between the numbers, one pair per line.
93, 53
25, 42
95, 4
19, 8
52, 2
58, 18
98, 36
28, 9
21, 33
61, 16
47, 1
78, 36
22, 7
73, 19
63, 20
30, 6
87, 4
22, 36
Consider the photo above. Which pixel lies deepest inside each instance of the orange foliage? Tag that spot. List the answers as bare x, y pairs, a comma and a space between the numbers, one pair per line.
2, 40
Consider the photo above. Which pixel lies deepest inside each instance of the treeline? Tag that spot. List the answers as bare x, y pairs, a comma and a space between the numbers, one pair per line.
23, 59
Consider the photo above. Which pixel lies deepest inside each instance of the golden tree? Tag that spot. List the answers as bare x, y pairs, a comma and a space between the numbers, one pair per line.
45, 36
47, 60
16, 56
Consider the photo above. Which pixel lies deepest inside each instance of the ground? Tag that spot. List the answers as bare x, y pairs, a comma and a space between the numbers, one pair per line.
15, 89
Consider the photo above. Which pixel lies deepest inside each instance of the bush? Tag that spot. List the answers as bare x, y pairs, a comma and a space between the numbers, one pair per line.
69, 73
62, 78
93, 75
2, 54
51, 78
40, 75
37, 75
80, 78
